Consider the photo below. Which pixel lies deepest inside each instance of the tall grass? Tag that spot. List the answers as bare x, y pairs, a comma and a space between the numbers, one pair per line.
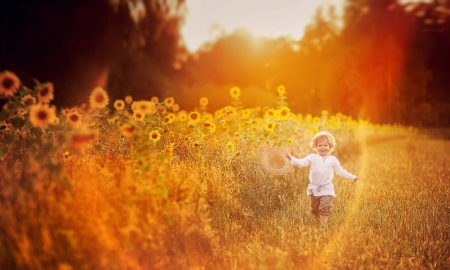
103, 194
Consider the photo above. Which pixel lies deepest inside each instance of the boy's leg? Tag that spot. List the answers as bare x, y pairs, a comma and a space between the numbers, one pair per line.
315, 203
326, 203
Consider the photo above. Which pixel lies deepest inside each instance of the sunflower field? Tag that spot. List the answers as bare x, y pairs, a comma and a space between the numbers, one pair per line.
145, 184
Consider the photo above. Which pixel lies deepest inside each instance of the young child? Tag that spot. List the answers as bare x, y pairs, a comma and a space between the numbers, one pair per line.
323, 167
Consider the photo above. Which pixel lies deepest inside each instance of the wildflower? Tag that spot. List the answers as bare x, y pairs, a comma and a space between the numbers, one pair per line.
289, 140
235, 92
281, 89
45, 92
9, 83
230, 146
270, 113
144, 107
270, 126
127, 129
128, 99
99, 98
324, 113
237, 135
169, 102
41, 115
81, 139
175, 107
138, 116
203, 101
119, 104
74, 118
284, 113
28, 100
154, 99
194, 117
155, 136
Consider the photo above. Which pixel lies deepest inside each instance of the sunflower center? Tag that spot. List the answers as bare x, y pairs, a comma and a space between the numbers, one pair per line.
154, 136
44, 91
99, 98
42, 115
74, 118
7, 83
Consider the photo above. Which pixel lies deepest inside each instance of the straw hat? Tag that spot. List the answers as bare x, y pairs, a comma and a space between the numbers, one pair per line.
274, 161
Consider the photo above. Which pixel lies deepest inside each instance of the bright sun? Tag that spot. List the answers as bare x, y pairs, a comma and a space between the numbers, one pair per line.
208, 19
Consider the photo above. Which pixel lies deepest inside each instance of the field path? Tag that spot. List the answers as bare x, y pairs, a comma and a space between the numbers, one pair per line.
400, 216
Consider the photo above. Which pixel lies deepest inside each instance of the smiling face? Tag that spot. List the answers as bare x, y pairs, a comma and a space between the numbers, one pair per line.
323, 146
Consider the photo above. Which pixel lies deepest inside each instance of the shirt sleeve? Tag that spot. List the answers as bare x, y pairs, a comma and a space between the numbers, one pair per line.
341, 171
303, 162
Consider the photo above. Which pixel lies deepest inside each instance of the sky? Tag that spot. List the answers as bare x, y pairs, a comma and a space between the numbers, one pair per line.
207, 19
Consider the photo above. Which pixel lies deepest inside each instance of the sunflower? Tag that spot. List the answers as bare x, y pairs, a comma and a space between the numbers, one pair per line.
9, 83
138, 116
99, 98
128, 99
45, 92
127, 129
281, 89
41, 115
65, 111
74, 118
119, 104
237, 135
169, 118
203, 101
169, 102
230, 146
28, 100
212, 128
284, 113
194, 117
155, 136
182, 116
235, 92
270, 126
270, 113
324, 113
289, 140
175, 107
168, 152
154, 99
144, 107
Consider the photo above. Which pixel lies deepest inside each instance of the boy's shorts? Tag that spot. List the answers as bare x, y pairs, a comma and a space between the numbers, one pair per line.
321, 205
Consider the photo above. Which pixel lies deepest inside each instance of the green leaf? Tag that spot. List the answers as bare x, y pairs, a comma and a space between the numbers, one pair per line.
8, 138
4, 114
3, 151
37, 132
18, 122
65, 183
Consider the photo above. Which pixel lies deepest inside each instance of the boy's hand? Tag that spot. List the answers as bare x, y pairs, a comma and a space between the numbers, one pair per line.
356, 179
288, 157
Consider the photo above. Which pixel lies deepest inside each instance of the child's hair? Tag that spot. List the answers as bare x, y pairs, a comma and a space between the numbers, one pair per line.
321, 135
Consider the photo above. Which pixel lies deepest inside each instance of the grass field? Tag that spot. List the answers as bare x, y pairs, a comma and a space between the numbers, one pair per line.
150, 187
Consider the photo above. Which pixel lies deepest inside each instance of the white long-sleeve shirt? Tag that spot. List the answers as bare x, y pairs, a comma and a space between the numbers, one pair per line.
321, 173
